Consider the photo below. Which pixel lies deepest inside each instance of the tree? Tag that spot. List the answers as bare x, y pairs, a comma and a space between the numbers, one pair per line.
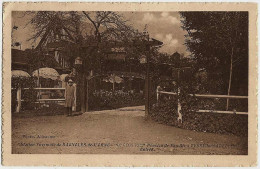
76, 29
110, 31
74, 26
50, 25
109, 25
219, 43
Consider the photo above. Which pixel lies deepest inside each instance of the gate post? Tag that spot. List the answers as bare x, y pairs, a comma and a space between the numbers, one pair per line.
74, 106
87, 93
19, 99
157, 94
178, 97
147, 88
179, 106
158, 89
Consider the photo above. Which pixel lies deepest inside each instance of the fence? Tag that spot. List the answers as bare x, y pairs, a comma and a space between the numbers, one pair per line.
39, 99
158, 92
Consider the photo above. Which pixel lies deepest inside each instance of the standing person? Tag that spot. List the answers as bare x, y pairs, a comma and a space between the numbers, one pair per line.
69, 97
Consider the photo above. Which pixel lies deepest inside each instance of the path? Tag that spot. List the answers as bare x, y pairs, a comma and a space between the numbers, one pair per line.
118, 131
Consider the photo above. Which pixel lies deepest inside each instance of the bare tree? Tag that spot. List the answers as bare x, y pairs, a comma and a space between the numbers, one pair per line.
76, 27
50, 25
97, 31
109, 25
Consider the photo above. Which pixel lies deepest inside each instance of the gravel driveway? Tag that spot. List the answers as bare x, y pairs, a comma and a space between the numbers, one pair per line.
120, 131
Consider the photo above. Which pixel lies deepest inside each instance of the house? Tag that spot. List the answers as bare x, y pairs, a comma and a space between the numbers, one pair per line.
30, 60
57, 50
19, 60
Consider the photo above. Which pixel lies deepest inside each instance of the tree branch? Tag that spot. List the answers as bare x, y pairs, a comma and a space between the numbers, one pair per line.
94, 24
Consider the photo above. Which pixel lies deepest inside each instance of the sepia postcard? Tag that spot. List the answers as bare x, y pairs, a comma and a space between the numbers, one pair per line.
129, 84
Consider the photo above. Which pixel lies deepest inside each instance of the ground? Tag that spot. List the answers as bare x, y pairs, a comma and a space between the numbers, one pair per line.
120, 131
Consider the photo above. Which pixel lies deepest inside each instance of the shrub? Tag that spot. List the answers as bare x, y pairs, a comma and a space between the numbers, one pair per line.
166, 112
53, 109
103, 99
28, 96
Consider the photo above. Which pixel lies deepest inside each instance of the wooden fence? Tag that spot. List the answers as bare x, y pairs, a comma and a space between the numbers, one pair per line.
207, 96
39, 99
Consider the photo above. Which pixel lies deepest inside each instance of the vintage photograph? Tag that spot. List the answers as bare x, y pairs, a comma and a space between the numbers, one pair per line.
131, 83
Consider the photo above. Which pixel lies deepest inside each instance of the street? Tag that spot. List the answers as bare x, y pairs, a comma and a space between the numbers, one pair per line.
120, 131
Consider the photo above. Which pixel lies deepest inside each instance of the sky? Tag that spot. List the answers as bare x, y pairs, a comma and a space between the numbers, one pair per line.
163, 26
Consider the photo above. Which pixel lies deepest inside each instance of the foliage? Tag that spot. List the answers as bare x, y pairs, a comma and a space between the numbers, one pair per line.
37, 60
90, 35
165, 112
28, 96
53, 109
23, 82
218, 42
110, 100
179, 73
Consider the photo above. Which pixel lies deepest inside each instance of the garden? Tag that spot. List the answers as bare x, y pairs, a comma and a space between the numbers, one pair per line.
103, 99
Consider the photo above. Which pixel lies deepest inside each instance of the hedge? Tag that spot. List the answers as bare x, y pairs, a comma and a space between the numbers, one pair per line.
102, 99
166, 112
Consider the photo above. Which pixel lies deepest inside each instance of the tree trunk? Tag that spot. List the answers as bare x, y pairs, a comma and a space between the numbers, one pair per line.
230, 76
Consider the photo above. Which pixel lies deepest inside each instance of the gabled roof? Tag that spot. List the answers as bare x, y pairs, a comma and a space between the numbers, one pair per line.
20, 57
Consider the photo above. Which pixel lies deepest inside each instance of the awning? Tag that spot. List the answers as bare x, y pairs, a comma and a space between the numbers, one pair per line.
47, 73
19, 73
